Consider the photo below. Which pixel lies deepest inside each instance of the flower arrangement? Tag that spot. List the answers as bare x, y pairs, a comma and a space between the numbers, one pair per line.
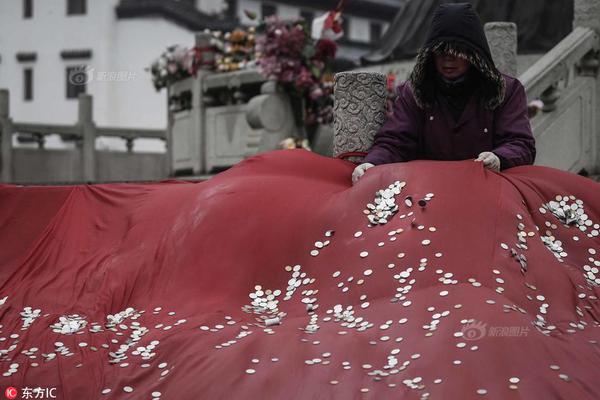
234, 50
174, 64
287, 53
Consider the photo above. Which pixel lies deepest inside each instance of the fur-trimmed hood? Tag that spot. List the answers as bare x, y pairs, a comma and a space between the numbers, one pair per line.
457, 29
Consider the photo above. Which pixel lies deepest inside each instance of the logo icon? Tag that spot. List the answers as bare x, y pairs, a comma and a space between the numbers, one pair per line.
81, 75
473, 330
11, 393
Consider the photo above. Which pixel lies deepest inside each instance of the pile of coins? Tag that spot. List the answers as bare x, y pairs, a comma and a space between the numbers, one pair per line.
28, 315
265, 305
68, 324
385, 204
554, 245
146, 352
570, 211
591, 272
61, 349
312, 326
12, 369
112, 320
320, 245
298, 278
243, 333
522, 236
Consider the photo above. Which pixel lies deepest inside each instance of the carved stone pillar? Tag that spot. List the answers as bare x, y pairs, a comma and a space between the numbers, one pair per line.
502, 38
360, 101
6, 133
587, 14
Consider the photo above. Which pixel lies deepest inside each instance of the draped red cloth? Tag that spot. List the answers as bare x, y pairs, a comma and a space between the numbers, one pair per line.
200, 271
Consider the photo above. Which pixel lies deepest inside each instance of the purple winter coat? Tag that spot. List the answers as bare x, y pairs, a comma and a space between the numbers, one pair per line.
494, 119
414, 133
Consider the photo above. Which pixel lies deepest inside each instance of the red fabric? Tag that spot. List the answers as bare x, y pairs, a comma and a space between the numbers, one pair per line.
199, 248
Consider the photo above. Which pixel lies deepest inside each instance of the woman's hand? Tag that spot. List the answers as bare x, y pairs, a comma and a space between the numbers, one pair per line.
360, 171
490, 160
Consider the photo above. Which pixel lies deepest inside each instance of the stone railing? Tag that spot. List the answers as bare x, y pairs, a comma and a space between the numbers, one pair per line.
218, 119
566, 79
83, 163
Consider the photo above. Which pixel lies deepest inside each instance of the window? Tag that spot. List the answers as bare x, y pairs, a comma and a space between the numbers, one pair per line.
308, 17
28, 84
77, 78
231, 8
268, 9
375, 32
76, 7
27, 8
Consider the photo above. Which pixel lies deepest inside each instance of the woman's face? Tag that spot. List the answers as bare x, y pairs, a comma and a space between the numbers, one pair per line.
449, 66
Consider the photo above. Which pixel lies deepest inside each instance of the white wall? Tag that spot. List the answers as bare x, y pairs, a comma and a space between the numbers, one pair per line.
250, 5
360, 29
211, 6
287, 12
124, 46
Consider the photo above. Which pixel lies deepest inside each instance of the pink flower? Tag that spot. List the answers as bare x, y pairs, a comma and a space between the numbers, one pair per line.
315, 92
172, 67
304, 79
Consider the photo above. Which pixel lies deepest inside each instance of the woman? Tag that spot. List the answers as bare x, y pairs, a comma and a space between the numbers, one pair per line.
456, 105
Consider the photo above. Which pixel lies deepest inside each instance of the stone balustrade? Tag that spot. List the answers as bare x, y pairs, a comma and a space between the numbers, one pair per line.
82, 164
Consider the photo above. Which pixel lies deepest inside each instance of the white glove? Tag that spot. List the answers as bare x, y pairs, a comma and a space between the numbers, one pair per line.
360, 171
490, 160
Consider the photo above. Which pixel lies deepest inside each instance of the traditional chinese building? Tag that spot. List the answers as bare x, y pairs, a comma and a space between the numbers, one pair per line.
105, 46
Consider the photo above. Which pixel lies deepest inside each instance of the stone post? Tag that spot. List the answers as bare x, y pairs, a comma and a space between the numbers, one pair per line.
359, 110
587, 15
502, 38
198, 102
88, 135
6, 131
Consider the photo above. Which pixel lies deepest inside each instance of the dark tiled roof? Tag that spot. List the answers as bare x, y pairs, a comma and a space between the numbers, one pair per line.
180, 12
358, 8
186, 14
